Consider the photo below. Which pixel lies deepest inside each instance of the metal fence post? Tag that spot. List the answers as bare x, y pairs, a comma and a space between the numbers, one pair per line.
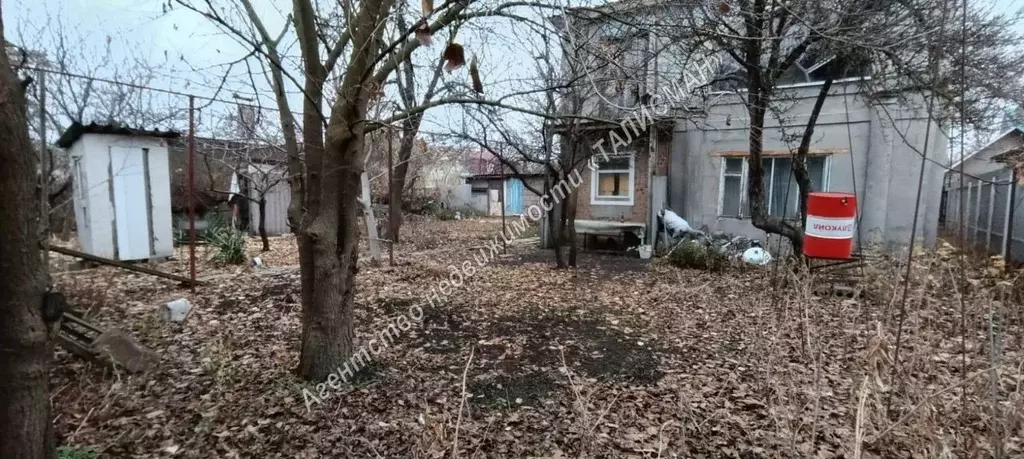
1005, 249
991, 210
977, 212
967, 216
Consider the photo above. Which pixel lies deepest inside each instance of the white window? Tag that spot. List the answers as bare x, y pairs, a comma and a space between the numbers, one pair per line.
780, 188
612, 180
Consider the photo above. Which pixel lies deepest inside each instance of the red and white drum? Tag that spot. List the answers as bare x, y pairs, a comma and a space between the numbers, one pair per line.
831, 218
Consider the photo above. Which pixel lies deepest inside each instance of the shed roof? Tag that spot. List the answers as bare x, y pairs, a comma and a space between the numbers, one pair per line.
77, 130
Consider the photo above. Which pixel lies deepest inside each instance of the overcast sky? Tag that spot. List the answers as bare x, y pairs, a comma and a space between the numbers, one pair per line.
191, 52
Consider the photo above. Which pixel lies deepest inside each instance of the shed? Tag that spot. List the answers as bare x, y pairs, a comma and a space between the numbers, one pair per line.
122, 190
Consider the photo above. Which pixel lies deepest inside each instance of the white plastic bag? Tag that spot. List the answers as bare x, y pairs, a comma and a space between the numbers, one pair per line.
674, 223
756, 256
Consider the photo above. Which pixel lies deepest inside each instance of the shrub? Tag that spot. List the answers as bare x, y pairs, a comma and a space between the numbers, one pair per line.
228, 243
445, 214
696, 255
74, 452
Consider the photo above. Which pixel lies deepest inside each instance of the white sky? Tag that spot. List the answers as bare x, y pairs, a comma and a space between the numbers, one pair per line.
193, 51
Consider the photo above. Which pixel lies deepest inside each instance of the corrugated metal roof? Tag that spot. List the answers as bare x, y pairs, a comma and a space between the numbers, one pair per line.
77, 130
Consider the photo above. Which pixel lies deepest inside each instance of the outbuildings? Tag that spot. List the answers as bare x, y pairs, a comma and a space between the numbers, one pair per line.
121, 191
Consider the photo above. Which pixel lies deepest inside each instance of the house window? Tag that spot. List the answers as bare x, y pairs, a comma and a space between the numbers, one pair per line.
613, 180
781, 192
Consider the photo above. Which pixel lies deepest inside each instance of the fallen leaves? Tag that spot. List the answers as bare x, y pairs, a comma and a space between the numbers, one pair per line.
658, 362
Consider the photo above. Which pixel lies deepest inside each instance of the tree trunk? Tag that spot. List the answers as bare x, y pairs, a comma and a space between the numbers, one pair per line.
329, 239
263, 223
333, 239
409, 129
371, 222
570, 227
803, 178
757, 107
558, 215
26, 430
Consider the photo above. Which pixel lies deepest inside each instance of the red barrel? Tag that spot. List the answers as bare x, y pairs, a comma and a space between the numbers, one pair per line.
830, 224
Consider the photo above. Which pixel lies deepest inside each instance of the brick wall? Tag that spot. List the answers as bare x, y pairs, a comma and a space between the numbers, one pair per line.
636, 213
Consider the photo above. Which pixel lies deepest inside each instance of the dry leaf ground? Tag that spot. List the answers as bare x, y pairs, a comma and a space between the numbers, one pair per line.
619, 358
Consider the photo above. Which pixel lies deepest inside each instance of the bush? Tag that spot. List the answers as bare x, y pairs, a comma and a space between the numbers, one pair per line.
696, 255
445, 214
73, 452
228, 243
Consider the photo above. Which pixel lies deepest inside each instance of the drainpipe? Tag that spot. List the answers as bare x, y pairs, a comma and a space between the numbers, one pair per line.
652, 155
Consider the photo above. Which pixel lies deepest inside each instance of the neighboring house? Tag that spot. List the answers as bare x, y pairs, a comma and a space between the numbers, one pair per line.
989, 195
218, 186
492, 187
695, 161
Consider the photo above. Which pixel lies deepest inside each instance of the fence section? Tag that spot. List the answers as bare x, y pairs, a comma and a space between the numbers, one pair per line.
991, 211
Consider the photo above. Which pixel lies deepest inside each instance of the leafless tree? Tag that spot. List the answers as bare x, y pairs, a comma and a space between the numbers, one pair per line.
768, 40
79, 68
259, 167
356, 43
583, 83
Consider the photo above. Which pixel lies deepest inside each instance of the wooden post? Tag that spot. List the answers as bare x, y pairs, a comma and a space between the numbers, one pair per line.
123, 265
191, 191
504, 234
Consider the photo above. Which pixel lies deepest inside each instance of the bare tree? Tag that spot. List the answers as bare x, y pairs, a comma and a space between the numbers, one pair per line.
258, 166
407, 84
26, 429
79, 68
326, 174
578, 71
768, 40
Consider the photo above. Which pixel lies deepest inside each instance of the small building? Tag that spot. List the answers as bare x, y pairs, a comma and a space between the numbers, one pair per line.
122, 190
229, 177
492, 186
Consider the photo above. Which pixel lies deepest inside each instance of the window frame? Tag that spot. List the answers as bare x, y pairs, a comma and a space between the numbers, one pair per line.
595, 175
826, 171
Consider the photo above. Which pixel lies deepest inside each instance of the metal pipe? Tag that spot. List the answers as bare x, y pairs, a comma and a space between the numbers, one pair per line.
391, 206
1008, 234
191, 193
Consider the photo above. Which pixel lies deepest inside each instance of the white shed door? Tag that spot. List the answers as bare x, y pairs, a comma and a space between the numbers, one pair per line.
127, 167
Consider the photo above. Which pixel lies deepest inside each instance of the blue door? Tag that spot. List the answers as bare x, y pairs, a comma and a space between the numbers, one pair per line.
513, 196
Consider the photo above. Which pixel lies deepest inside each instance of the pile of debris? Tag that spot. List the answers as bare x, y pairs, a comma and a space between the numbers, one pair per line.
747, 249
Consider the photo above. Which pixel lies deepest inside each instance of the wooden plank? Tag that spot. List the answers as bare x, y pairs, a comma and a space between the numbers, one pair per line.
123, 265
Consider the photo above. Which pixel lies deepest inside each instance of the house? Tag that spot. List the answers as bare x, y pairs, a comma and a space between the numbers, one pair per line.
988, 195
688, 150
491, 186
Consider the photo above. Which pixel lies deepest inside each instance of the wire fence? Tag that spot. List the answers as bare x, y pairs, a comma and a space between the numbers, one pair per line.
993, 220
